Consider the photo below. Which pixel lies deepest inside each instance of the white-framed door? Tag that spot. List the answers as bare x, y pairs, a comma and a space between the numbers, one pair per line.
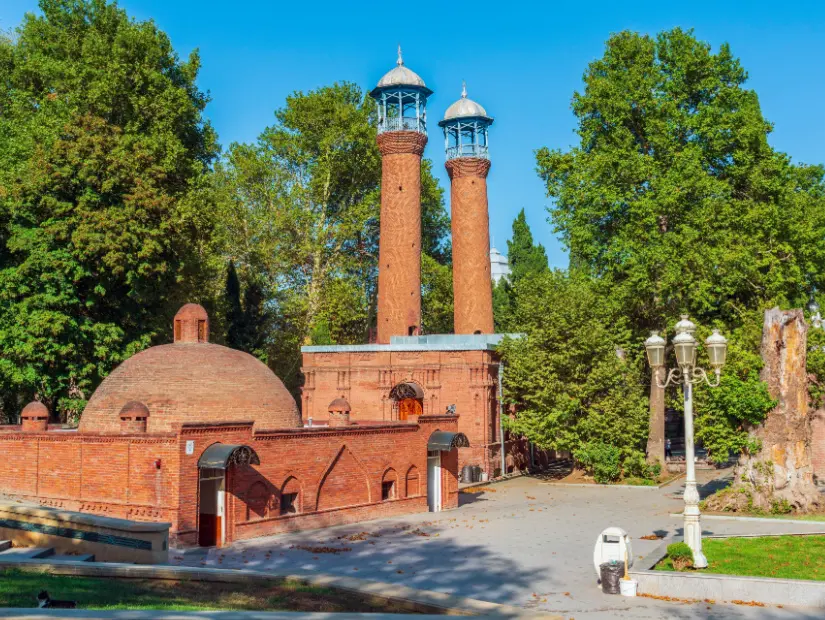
434, 480
212, 508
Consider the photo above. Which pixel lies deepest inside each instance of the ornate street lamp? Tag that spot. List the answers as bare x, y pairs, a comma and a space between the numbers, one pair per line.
688, 374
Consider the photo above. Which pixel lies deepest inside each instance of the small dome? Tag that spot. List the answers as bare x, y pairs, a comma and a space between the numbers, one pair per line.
135, 410
191, 324
35, 409
465, 108
401, 76
339, 405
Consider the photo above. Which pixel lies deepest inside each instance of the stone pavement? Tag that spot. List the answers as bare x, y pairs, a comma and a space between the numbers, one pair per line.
521, 543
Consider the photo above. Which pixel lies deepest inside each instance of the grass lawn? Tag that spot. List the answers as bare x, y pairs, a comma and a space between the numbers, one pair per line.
813, 516
19, 589
780, 557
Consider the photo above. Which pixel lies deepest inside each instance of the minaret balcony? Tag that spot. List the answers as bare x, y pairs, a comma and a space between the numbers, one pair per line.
479, 151
402, 123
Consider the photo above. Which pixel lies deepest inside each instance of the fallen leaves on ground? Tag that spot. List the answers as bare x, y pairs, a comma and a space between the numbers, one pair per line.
651, 537
311, 549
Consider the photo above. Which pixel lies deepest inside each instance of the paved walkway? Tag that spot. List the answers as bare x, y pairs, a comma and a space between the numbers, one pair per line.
522, 543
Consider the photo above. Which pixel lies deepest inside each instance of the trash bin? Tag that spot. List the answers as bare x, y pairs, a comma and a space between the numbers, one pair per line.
476, 473
467, 474
611, 573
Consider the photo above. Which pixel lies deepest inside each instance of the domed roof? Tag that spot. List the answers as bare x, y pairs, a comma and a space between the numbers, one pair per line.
134, 409
401, 76
339, 405
465, 108
35, 409
191, 381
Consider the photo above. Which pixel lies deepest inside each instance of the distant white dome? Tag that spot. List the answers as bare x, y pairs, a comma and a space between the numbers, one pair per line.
499, 267
401, 76
464, 108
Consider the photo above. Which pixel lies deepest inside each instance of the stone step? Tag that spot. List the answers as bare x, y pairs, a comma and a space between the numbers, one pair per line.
5, 544
62, 559
25, 553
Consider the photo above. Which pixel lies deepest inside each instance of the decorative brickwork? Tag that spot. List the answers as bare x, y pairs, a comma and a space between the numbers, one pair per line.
399, 272
466, 379
472, 280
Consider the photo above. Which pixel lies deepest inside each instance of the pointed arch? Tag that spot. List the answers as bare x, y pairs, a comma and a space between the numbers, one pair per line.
291, 496
345, 482
413, 486
389, 485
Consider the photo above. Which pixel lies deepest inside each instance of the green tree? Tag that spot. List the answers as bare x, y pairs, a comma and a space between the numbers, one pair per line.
104, 203
674, 201
247, 323
523, 255
525, 258
572, 389
301, 210
674, 197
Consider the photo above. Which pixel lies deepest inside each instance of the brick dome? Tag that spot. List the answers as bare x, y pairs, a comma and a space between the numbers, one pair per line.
191, 381
339, 405
36, 410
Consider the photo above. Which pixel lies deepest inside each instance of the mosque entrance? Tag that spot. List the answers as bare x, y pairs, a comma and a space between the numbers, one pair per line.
211, 508
212, 467
408, 400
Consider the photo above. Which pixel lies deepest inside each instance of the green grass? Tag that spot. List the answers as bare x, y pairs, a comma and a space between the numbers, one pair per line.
20, 588
780, 557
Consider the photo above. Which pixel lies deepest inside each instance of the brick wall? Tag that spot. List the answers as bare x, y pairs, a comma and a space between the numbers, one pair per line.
115, 476
339, 479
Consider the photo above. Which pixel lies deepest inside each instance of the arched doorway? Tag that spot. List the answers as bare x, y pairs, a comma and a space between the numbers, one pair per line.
408, 400
212, 466
439, 443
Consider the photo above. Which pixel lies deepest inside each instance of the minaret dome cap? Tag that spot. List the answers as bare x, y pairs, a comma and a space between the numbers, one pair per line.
400, 76
465, 108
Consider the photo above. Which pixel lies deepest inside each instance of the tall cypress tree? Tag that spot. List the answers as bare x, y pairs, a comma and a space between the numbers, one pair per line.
525, 257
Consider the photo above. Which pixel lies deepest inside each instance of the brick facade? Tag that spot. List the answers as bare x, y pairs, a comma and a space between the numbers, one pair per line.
337, 473
399, 274
467, 379
472, 280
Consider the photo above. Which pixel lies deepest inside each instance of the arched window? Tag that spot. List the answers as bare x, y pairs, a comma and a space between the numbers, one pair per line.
389, 485
413, 482
290, 497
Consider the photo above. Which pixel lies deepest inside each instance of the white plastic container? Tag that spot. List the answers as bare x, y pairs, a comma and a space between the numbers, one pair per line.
627, 587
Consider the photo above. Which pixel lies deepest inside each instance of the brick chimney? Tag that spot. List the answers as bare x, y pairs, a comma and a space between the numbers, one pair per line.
34, 417
339, 411
134, 417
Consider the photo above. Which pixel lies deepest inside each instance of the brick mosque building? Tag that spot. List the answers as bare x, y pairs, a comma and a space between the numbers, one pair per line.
208, 439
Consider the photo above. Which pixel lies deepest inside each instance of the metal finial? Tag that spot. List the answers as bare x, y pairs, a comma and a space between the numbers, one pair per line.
463, 89
400, 60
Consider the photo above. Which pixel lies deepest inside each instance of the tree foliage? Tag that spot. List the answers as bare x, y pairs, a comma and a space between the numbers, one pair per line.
104, 208
301, 212
674, 201
571, 387
674, 196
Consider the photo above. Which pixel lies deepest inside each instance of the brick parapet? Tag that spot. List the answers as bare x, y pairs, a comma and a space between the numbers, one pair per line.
401, 142
468, 167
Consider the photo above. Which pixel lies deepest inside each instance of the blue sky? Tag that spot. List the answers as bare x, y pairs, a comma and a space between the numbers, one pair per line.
521, 60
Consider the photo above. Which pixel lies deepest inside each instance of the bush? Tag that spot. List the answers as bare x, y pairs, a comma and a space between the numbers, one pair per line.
600, 460
781, 507
680, 555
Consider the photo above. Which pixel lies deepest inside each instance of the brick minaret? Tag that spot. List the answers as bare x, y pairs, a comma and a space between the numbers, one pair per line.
402, 134
465, 129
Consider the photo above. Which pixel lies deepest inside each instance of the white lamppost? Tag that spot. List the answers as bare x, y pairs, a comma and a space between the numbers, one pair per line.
688, 374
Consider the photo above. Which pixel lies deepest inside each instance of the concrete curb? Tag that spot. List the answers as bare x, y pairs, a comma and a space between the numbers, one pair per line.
159, 614
757, 519
419, 601
602, 486
472, 485
726, 588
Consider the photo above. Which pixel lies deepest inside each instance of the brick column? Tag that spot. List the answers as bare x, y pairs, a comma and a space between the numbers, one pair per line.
472, 282
399, 255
